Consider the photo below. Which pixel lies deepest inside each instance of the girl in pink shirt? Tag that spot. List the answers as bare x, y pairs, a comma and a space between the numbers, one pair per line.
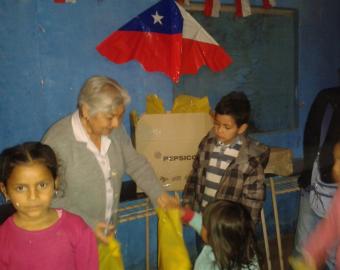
37, 236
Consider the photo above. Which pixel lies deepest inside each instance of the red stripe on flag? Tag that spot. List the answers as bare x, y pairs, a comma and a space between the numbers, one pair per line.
266, 4
123, 46
65, 1
208, 5
243, 8
212, 8
269, 3
202, 53
238, 8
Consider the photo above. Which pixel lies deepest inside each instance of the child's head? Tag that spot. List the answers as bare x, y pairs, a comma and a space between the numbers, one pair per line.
232, 114
28, 174
229, 231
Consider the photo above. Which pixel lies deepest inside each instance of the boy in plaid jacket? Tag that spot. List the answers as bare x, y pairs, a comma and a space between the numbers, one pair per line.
229, 165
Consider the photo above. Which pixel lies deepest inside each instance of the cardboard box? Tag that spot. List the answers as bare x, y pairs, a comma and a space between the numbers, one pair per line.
170, 142
280, 161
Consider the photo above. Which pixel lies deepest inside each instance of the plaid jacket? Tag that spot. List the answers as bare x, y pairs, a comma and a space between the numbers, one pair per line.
243, 181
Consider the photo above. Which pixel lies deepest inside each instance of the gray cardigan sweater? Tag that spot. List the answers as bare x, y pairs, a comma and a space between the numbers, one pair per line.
82, 180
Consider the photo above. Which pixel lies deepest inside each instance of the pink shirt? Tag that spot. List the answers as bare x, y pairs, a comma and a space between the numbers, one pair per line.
69, 244
326, 235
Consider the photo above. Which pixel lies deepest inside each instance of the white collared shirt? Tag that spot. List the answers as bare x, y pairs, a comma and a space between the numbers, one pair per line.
101, 156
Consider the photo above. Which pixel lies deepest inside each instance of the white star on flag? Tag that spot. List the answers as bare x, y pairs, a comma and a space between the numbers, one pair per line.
157, 18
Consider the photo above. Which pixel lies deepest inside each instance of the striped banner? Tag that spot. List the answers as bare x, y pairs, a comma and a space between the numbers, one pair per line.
212, 8
184, 2
269, 3
65, 1
242, 8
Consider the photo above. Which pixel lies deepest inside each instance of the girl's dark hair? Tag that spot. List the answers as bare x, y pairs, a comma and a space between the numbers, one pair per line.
26, 153
230, 234
235, 104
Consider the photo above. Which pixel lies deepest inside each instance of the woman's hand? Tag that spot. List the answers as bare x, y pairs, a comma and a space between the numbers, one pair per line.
103, 232
165, 201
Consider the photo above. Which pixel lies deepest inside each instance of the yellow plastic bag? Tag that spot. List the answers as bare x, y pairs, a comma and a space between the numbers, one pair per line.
110, 256
134, 118
172, 252
300, 264
154, 104
190, 104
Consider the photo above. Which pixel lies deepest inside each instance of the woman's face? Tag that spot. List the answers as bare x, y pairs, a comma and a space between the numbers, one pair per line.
102, 123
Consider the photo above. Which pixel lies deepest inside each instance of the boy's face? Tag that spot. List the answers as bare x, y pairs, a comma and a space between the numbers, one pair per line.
226, 129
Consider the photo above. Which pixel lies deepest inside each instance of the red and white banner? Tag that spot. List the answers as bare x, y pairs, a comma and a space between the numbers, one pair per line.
212, 8
65, 1
269, 3
242, 8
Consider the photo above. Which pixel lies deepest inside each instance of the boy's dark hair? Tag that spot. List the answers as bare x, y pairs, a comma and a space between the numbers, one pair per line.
26, 153
230, 234
235, 104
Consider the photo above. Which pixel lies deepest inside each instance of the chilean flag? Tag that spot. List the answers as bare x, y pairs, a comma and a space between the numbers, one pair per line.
165, 38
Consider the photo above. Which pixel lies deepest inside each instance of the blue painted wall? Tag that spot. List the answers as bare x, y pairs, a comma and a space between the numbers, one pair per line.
48, 50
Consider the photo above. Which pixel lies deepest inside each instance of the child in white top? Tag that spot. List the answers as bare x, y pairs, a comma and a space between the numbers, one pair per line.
226, 228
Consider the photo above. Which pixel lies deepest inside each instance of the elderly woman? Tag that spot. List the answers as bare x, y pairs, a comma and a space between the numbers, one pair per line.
95, 151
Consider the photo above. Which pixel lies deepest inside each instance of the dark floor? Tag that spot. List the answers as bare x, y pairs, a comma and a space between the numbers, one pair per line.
287, 247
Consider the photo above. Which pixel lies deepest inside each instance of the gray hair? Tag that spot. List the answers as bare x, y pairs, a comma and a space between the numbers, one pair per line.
102, 94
